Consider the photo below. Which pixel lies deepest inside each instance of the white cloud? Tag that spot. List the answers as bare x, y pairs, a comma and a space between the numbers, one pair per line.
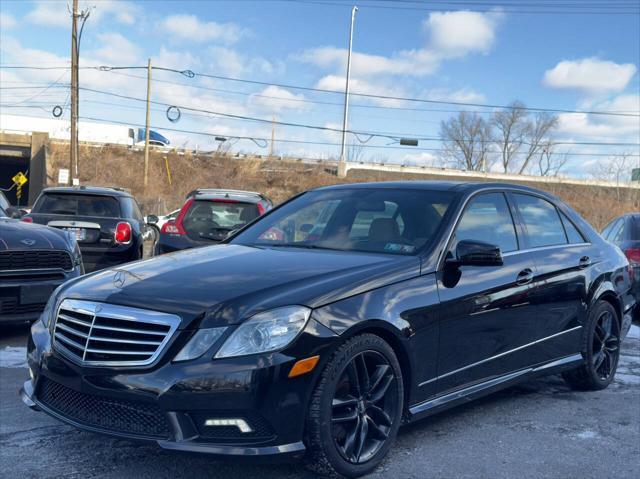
590, 74
55, 13
277, 99
116, 49
186, 27
6, 21
456, 34
337, 83
464, 95
450, 35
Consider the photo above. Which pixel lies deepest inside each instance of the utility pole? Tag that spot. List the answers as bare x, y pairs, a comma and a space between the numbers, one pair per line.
342, 167
74, 150
273, 135
146, 128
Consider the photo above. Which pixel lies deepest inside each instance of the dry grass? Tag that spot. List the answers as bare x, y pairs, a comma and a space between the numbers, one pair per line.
279, 180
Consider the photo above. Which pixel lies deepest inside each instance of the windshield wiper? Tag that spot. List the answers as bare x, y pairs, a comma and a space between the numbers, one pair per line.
302, 246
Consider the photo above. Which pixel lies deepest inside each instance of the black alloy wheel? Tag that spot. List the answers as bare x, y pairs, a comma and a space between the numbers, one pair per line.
364, 402
356, 409
600, 350
606, 343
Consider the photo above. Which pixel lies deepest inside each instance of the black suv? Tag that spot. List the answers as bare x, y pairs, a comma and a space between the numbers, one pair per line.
34, 260
107, 223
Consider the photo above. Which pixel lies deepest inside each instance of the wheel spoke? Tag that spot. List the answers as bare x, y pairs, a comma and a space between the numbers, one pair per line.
349, 401
378, 376
351, 439
362, 437
381, 415
354, 380
606, 325
606, 364
376, 431
346, 416
361, 367
597, 360
380, 391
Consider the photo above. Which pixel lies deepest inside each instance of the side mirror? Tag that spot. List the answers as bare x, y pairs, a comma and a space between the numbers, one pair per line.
152, 220
476, 253
15, 213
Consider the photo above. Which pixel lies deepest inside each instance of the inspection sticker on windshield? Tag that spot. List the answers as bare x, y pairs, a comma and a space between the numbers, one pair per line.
399, 248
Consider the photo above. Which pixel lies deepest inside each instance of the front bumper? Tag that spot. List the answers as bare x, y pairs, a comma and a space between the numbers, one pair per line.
169, 403
19, 308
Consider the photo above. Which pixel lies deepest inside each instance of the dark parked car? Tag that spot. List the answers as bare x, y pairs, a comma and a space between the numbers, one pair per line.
624, 232
107, 223
208, 216
34, 260
332, 320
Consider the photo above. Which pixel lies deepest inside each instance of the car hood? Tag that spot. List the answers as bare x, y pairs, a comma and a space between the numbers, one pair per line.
225, 284
15, 234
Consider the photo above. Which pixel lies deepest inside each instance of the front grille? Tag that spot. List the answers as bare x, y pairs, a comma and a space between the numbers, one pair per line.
102, 334
11, 306
35, 259
114, 415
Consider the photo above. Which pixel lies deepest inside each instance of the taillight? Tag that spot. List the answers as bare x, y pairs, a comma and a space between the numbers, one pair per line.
27, 219
633, 255
261, 209
171, 228
123, 233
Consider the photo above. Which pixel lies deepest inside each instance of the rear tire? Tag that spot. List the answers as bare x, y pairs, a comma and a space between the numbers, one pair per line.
600, 350
356, 409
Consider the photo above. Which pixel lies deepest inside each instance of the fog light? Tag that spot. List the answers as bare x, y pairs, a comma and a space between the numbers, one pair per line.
239, 423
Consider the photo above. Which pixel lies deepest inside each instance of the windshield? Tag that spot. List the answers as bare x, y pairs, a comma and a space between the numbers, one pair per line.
212, 220
82, 205
2, 213
369, 220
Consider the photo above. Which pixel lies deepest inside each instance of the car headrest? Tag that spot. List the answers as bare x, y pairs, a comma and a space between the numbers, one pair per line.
383, 230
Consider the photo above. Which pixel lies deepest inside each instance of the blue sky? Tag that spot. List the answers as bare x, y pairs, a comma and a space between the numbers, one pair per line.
566, 61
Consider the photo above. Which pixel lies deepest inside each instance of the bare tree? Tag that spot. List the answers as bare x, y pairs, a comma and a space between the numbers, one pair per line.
511, 131
467, 141
519, 137
616, 169
355, 152
540, 128
549, 161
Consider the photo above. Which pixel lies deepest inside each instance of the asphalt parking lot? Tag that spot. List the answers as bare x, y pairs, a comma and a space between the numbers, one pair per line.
540, 429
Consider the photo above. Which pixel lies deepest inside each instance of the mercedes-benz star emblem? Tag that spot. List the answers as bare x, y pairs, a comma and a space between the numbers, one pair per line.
119, 279
28, 242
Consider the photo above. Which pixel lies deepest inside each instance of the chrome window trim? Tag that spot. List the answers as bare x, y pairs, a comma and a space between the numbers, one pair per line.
543, 248
497, 356
122, 313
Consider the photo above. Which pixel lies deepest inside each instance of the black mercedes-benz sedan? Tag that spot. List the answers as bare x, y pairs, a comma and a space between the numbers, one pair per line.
343, 313
34, 260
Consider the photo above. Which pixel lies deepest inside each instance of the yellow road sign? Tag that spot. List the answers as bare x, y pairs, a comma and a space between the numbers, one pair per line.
19, 179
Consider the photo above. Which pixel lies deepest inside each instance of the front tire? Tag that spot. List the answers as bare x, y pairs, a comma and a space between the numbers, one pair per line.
356, 409
600, 350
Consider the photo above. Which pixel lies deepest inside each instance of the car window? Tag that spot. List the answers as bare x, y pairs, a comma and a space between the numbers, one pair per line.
382, 220
541, 219
81, 205
617, 235
2, 213
135, 210
635, 229
487, 218
573, 234
212, 220
607, 230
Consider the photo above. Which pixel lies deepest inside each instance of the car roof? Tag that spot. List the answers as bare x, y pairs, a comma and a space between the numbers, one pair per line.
88, 190
215, 194
457, 186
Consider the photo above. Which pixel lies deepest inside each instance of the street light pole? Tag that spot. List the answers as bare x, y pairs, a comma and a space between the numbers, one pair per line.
73, 153
146, 128
342, 167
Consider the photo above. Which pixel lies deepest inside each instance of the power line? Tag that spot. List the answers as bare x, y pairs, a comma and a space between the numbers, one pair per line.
191, 74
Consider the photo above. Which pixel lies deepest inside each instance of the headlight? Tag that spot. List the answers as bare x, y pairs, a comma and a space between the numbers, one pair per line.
199, 344
265, 332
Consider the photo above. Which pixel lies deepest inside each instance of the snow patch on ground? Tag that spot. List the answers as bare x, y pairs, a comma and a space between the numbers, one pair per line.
634, 332
588, 435
13, 357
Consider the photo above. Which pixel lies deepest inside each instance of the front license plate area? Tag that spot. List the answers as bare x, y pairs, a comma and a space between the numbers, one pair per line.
35, 294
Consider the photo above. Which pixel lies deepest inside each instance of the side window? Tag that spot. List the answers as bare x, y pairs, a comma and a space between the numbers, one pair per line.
573, 234
617, 235
541, 219
135, 209
607, 230
615, 230
487, 218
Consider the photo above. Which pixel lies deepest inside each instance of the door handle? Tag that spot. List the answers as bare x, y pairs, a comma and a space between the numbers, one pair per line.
524, 277
585, 262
